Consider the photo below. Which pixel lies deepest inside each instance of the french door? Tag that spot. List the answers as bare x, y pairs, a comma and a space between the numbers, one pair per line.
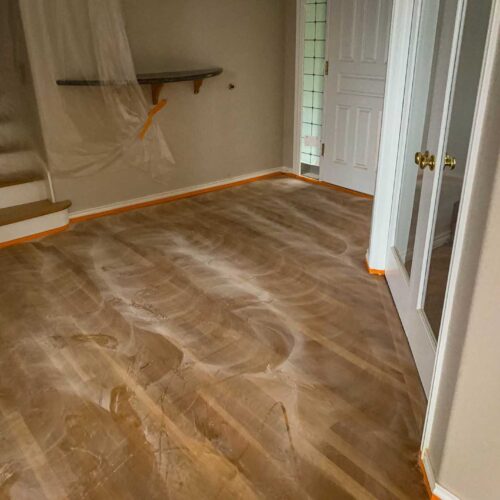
446, 52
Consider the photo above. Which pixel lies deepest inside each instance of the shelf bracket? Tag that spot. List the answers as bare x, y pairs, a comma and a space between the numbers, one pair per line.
156, 89
155, 92
197, 86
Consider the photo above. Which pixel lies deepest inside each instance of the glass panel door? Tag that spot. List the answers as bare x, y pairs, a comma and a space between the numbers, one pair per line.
441, 92
426, 106
433, 49
457, 148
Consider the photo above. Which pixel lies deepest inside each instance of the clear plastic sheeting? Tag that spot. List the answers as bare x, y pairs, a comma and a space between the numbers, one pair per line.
89, 128
21, 146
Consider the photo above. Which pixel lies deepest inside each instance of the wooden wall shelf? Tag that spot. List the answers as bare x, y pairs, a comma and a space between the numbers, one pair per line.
156, 80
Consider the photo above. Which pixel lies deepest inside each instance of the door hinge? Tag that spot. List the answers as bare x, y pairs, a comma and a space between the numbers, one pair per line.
327, 68
323, 149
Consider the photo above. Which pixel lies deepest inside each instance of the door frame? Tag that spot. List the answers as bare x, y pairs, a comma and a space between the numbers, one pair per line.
392, 122
332, 94
300, 20
299, 82
410, 301
485, 83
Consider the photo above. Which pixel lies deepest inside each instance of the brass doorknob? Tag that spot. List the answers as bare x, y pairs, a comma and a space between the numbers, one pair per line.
425, 159
450, 162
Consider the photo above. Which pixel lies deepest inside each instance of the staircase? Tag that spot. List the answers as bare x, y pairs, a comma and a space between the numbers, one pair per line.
26, 211
26, 207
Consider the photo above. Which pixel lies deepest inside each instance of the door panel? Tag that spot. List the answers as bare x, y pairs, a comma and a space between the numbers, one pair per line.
457, 147
440, 101
419, 97
357, 54
437, 28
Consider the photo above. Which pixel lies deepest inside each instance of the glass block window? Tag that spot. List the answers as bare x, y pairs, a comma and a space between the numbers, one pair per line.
314, 71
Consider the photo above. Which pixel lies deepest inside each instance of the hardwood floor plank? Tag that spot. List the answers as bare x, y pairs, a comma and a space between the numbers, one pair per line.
226, 346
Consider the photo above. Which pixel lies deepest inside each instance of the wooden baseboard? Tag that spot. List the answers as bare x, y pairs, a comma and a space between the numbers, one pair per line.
170, 198
137, 204
134, 205
328, 185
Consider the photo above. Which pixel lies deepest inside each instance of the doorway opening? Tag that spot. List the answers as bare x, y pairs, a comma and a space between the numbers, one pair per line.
313, 73
444, 74
344, 63
416, 212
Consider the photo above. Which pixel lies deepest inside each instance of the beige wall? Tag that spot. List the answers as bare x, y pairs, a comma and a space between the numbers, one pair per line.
464, 446
219, 133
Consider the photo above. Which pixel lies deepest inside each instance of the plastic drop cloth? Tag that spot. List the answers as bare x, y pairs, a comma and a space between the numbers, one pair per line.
90, 128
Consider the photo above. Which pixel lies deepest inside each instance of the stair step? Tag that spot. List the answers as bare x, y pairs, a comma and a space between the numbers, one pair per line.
15, 181
20, 165
22, 190
14, 132
19, 213
14, 147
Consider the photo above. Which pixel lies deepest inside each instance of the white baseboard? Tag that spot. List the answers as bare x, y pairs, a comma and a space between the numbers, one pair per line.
436, 488
429, 471
167, 194
441, 239
19, 194
34, 226
443, 493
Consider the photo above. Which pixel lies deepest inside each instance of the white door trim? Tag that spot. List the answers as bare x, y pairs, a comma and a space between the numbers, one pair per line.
392, 121
466, 201
409, 295
354, 92
299, 83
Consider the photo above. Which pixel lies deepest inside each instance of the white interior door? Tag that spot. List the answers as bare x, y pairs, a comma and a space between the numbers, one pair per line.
354, 91
443, 77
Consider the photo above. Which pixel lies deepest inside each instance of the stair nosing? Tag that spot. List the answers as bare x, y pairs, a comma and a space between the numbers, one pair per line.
19, 181
9, 216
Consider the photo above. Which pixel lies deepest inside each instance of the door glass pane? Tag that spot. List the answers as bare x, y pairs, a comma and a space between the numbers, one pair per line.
462, 114
426, 105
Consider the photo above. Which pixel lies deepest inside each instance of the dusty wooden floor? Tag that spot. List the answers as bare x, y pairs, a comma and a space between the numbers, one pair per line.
226, 346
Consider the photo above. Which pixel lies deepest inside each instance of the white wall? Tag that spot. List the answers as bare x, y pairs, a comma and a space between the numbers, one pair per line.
464, 446
219, 133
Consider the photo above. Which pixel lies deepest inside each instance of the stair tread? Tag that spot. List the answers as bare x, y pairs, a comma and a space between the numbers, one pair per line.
19, 180
15, 147
18, 213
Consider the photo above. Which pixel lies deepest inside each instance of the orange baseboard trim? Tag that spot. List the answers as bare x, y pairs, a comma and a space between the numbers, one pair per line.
169, 199
426, 481
328, 185
189, 194
374, 272
31, 237
197, 192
